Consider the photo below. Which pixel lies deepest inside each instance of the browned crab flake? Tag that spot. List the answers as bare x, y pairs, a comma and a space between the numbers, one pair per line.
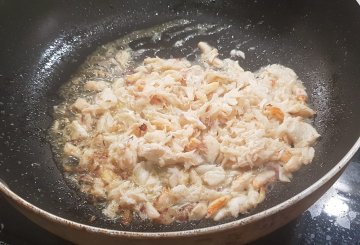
143, 127
273, 82
155, 100
302, 98
274, 112
194, 144
216, 205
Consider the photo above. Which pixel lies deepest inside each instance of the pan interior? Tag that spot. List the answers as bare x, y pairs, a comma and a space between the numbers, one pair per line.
314, 39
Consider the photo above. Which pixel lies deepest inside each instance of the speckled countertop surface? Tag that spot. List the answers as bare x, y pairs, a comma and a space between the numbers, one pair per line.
333, 219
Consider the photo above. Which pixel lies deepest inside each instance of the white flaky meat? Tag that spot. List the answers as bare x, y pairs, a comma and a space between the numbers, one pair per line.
212, 175
300, 133
107, 97
174, 140
198, 212
212, 148
152, 151
80, 104
95, 85
72, 150
77, 131
123, 58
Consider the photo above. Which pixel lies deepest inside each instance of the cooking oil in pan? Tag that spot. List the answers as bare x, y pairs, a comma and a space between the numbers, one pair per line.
166, 40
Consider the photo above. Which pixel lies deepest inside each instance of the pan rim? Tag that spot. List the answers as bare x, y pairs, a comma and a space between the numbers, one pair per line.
184, 233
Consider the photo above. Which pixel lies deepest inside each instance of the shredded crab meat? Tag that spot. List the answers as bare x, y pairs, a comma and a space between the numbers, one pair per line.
175, 141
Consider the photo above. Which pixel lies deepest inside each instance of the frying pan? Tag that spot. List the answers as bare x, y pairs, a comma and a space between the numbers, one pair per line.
44, 42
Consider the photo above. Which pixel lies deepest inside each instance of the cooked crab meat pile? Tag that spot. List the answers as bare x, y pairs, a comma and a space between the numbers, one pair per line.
176, 141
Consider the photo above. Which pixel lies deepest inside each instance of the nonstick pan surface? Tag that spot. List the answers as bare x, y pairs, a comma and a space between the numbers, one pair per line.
44, 42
